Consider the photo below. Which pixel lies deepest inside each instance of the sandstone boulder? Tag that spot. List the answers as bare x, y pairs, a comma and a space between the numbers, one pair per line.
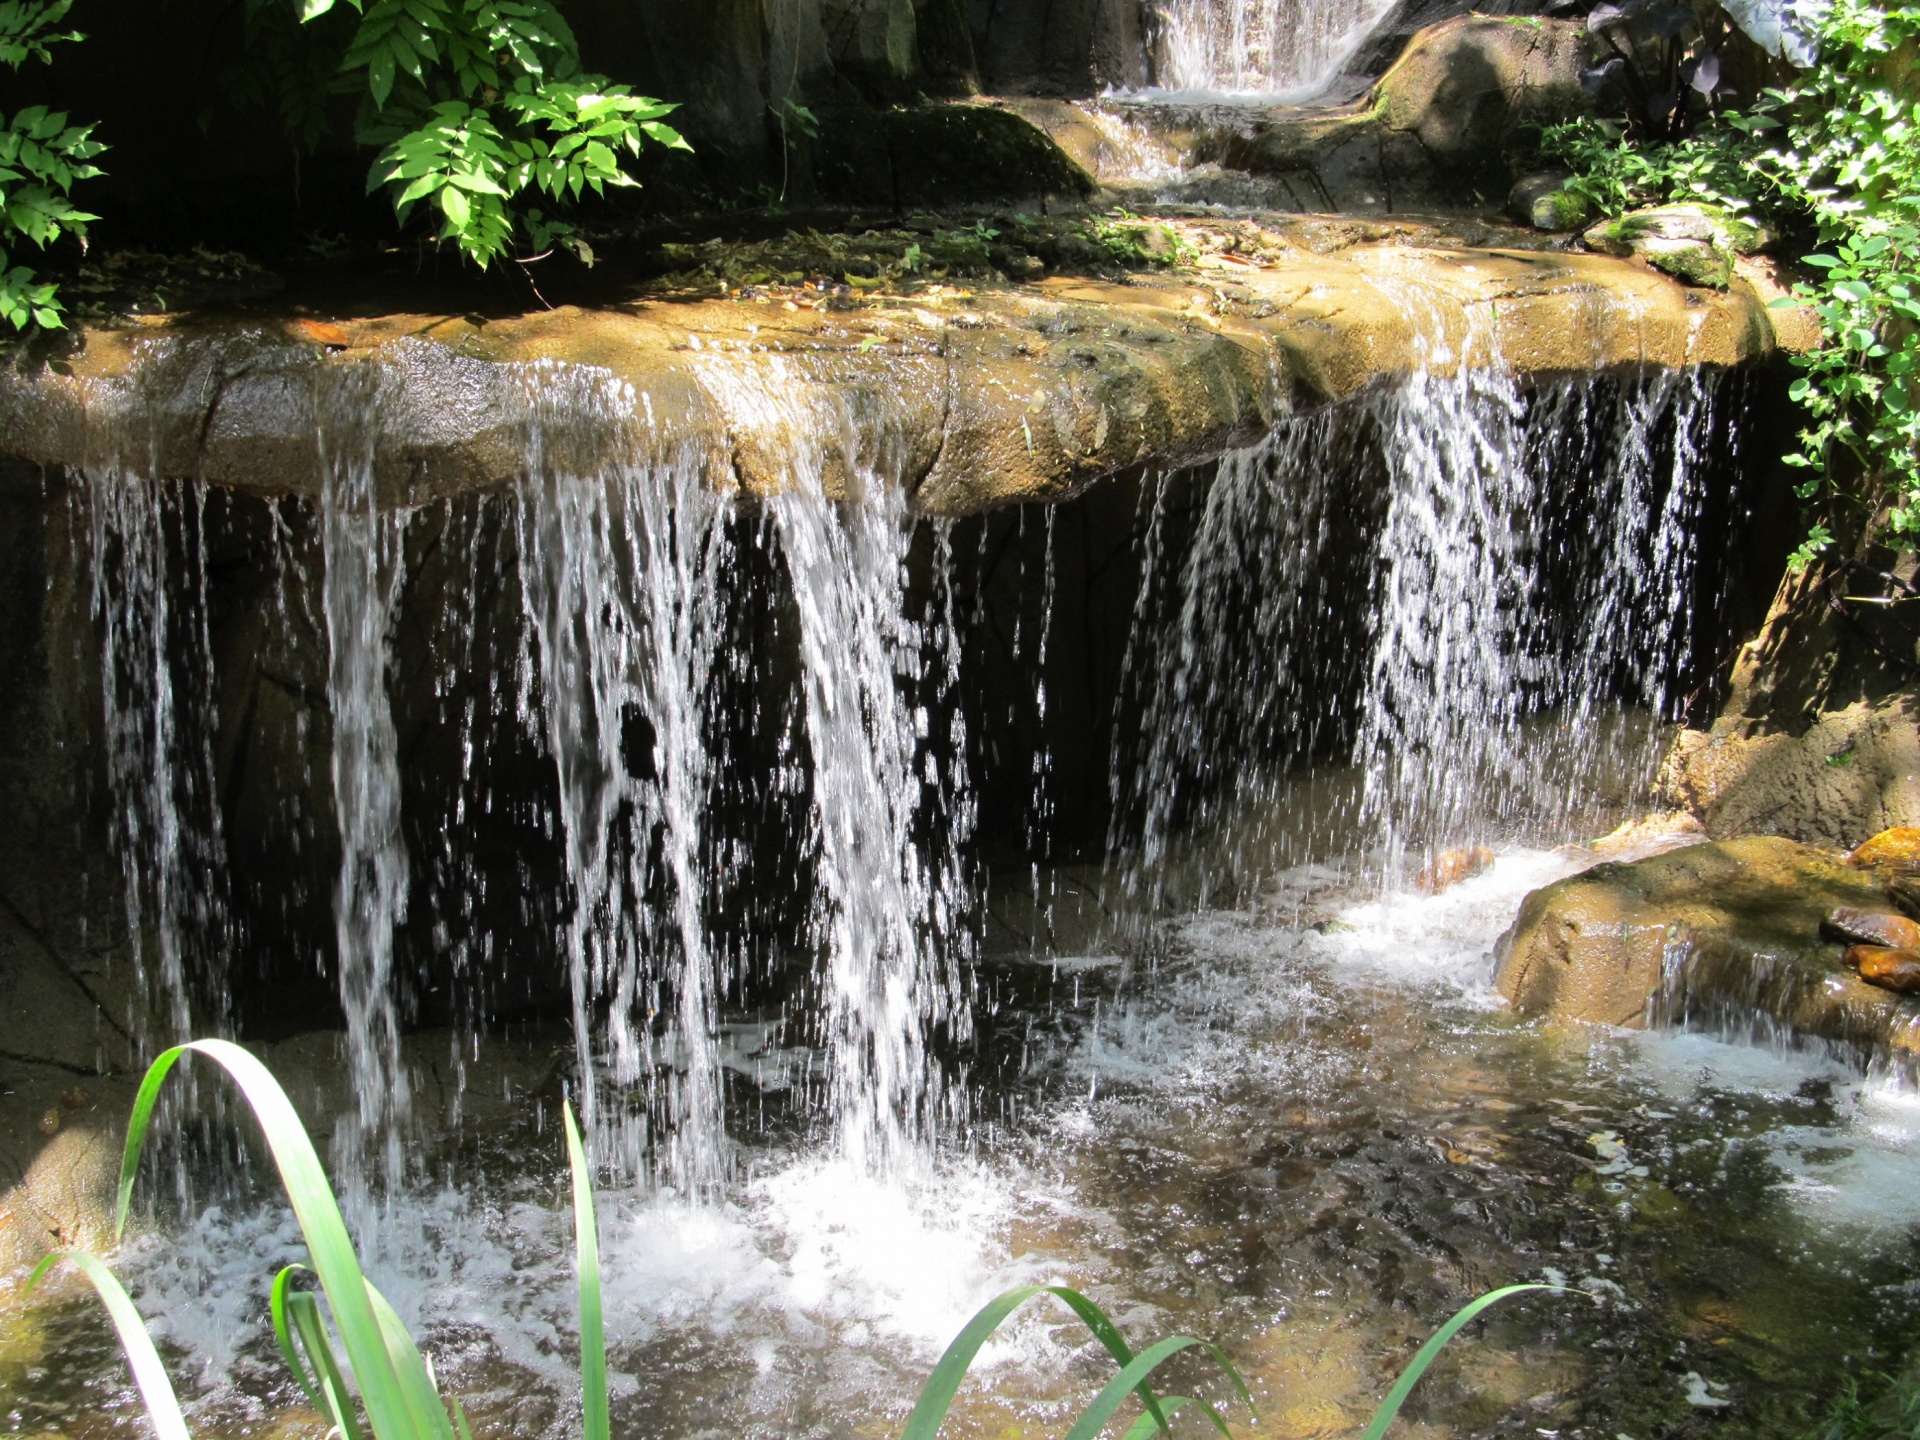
1727, 936
1892, 969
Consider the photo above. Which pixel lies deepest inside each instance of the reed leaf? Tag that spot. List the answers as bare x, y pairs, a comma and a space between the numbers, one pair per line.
936, 1397
390, 1413
1427, 1353
586, 1246
422, 1390
1131, 1377
156, 1391
1148, 1425
296, 1314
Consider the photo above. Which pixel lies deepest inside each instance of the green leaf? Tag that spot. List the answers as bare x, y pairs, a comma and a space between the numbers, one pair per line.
586, 1249
156, 1391
314, 1206
1429, 1352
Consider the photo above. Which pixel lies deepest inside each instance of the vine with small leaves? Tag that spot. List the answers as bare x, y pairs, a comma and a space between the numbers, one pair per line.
1851, 160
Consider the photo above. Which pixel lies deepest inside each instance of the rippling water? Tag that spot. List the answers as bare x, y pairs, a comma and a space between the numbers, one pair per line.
1305, 1126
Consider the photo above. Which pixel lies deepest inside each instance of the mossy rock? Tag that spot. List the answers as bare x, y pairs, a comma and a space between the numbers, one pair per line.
1693, 243
1543, 201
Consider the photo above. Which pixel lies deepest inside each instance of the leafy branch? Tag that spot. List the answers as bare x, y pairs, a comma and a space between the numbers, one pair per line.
477, 105
42, 156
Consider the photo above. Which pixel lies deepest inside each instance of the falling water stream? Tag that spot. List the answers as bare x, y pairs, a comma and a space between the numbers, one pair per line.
1285, 50
1236, 1079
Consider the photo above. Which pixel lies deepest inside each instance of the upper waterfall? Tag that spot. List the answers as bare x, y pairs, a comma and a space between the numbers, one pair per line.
1286, 50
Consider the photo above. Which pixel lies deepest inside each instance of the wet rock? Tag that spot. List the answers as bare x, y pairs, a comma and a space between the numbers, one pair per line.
64, 1200
1895, 969
1543, 201
1896, 849
1870, 927
987, 397
1726, 935
1450, 867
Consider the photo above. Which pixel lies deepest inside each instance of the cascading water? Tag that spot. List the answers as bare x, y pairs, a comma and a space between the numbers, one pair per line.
362, 544
1450, 579
887, 913
1285, 49
167, 862
1485, 612
619, 573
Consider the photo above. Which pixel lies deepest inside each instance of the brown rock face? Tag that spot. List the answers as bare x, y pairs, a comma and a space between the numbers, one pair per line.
1464, 84
1892, 969
1724, 934
1871, 927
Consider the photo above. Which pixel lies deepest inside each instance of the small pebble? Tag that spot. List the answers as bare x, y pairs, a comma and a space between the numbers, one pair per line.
50, 1122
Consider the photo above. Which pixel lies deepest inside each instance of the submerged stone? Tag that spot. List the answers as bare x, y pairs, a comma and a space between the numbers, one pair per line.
1450, 867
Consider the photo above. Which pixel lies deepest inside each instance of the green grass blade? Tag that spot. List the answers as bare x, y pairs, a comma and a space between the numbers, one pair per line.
936, 1396
1149, 1425
1427, 1353
429, 1412
1108, 1334
336, 1401
156, 1391
1095, 1417
283, 1335
460, 1418
328, 1244
586, 1244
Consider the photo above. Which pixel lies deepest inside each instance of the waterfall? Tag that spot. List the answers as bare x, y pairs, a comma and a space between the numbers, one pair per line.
1525, 553
362, 545
1286, 49
1422, 601
887, 913
619, 573
166, 827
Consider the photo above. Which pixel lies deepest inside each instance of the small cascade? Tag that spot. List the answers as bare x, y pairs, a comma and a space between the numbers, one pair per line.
1453, 581
1452, 598
887, 911
1283, 49
362, 545
619, 572
166, 834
